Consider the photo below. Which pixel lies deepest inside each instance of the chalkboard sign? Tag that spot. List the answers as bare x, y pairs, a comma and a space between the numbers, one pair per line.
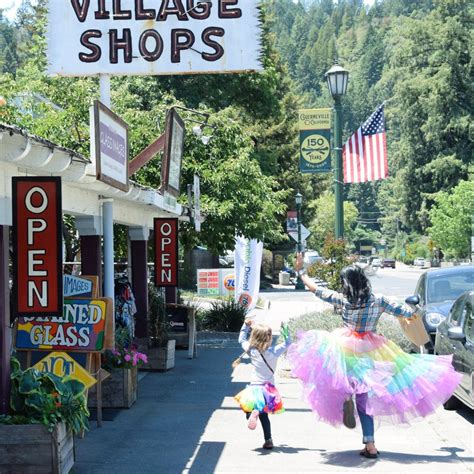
177, 317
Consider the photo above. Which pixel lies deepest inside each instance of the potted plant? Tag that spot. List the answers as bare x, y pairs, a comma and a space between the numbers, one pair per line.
161, 349
120, 390
45, 412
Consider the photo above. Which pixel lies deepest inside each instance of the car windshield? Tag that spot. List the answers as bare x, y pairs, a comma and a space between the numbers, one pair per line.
449, 287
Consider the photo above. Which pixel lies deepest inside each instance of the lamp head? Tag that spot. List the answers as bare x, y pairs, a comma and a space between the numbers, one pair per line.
197, 130
337, 78
298, 199
205, 139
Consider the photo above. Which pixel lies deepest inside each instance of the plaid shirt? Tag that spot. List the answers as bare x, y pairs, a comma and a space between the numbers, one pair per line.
363, 318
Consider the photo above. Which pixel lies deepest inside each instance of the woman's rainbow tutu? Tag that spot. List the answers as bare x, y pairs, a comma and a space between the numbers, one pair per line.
264, 398
400, 387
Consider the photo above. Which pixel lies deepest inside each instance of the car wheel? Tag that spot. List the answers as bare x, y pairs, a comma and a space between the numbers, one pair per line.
452, 403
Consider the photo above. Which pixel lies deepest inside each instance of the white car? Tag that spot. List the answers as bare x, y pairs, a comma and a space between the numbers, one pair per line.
376, 262
419, 262
311, 256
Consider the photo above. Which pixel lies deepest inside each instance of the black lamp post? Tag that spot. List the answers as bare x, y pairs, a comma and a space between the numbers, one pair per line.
298, 200
337, 78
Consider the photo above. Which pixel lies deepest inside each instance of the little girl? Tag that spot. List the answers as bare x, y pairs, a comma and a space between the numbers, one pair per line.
261, 397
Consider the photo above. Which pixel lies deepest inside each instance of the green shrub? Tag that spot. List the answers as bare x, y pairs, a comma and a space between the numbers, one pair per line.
224, 315
328, 321
45, 398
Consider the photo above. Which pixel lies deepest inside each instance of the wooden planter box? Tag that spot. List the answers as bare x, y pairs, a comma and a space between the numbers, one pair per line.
118, 391
161, 358
32, 449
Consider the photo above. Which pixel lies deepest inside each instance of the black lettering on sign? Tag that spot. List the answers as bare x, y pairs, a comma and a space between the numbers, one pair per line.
95, 53
142, 13
150, 55
226, 12
117, 43
80, 10
200, 11
101, 13
207, 40
177, 46
120, 14
177, 9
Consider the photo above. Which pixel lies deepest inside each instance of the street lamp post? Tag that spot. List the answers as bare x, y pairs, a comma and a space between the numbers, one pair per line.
337, 78
298, 200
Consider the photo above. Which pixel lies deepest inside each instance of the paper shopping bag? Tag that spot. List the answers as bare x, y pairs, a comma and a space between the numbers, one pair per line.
414, 329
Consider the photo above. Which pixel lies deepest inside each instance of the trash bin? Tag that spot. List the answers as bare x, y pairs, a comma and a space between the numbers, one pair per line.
284, 278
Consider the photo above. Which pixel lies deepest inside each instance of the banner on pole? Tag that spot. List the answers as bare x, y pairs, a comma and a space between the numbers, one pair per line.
315, 138
248, 260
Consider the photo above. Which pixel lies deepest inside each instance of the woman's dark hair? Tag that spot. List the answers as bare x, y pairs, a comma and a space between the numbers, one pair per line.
355, 285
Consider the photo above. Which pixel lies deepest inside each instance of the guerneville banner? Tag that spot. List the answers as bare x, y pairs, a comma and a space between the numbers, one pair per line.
248, 260
315, 139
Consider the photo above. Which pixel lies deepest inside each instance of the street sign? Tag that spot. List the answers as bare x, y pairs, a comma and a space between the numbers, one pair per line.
305, 233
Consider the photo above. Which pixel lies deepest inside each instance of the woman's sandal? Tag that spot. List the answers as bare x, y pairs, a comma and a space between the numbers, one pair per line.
367, 454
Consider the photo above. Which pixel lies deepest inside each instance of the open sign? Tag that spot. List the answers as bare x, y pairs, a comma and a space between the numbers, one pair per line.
37, 252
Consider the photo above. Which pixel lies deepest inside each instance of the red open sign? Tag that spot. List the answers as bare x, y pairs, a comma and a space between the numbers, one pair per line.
166, 252
37, 246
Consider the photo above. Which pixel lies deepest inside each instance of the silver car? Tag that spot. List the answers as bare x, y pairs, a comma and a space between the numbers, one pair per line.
455, 336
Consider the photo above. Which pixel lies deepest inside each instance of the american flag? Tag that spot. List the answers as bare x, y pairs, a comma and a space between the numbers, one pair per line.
365, 153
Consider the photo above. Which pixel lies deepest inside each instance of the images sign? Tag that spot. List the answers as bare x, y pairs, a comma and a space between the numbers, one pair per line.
129, 37
37, 241
64, 366
81, 328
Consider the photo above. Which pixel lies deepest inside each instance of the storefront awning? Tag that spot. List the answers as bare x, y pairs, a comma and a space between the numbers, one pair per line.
24, 154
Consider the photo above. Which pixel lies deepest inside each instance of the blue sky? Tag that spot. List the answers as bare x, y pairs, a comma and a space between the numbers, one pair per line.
14, 4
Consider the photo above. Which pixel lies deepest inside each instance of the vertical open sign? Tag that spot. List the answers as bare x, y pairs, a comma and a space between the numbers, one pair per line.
166, 252
37, 246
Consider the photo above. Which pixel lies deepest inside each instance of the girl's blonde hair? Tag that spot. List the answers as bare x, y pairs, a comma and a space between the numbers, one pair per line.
260, 339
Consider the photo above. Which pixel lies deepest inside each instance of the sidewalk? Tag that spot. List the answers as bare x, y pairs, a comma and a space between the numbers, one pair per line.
186, 420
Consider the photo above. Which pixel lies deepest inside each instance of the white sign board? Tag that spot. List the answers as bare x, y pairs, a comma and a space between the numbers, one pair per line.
197, 203
109, 146
305, 233
131, 37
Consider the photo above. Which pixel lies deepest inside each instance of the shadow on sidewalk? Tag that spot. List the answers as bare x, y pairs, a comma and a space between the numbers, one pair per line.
353, 459
162, 430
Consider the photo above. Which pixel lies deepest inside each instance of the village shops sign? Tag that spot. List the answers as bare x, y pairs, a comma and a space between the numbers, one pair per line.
128, 37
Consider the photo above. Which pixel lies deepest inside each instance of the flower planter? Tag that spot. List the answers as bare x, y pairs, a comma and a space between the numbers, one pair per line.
33, 449
118, 391
161, 358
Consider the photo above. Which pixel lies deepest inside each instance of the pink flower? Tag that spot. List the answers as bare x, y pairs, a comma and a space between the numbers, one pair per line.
127, 358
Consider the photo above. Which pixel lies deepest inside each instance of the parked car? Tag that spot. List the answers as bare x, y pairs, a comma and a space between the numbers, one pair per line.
419, 262
388, 263
311, 256
455, 336
376, 262
435, 293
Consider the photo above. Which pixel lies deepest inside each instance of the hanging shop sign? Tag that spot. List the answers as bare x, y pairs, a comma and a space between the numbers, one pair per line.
64, 366
37, 241
109, 146
129, 37
172, 154
197, 203
166, 252
315, 139
81, 328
